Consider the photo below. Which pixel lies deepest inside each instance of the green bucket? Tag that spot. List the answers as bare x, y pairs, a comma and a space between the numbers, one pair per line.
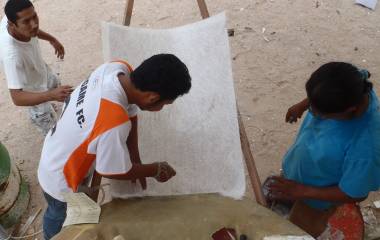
14, 191
5, 165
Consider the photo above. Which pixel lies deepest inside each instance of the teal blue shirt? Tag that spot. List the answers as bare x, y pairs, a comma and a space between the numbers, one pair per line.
343, 153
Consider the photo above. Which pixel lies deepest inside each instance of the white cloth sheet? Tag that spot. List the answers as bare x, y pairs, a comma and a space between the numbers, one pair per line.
198, 135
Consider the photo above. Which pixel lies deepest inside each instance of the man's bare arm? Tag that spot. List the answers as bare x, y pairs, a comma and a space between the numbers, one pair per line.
133, 148
45, 36
137, 171
161, 171
25, 98
59, 49
132, 142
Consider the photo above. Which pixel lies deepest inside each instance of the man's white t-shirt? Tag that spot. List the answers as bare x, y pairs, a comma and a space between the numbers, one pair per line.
92, 131
22, 62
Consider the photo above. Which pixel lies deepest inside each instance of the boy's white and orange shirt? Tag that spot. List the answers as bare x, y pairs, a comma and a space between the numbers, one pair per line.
91, 133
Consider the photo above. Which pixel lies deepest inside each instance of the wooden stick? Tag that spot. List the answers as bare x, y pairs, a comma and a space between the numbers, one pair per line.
128, 13
250, 162
203, 8
94, 185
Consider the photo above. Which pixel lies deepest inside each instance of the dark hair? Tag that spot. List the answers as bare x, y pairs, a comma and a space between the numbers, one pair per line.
164, 74
12, 7
336, 86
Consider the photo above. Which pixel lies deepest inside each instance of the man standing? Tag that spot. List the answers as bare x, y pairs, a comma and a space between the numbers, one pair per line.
30, 81
98, 130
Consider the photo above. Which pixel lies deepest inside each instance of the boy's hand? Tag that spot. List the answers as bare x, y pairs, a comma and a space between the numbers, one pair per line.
164, 172
284, 189
59, 49
295, 112
60, 93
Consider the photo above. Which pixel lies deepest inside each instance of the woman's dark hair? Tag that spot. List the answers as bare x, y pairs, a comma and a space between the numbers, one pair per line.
336, 86
164, 74
12, 7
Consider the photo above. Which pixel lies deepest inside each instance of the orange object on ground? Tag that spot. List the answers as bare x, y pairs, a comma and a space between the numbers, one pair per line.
348, 219
345, 219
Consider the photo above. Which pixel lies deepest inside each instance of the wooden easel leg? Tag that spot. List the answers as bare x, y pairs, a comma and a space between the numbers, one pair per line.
203, 8
250, 162
128, 13
95, 184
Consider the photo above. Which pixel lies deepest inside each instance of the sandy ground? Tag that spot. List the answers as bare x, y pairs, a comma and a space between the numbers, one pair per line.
277, 44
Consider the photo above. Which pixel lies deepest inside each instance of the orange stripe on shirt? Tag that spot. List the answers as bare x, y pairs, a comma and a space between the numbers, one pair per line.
77, 166
130, 69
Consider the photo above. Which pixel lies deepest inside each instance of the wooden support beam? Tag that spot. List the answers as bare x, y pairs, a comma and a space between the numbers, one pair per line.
128, 13
203, 8
250, 162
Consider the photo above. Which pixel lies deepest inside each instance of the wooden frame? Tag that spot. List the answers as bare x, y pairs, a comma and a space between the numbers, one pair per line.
129, 9
249, 160
128, 12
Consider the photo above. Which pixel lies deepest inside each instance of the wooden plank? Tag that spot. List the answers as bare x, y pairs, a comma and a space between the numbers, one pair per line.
250, 162
203, 8
128, 13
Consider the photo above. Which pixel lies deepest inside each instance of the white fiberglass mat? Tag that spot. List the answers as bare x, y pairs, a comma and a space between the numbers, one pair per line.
198, 135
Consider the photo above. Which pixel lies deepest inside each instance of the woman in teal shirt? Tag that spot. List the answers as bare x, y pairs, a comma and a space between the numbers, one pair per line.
336, 156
